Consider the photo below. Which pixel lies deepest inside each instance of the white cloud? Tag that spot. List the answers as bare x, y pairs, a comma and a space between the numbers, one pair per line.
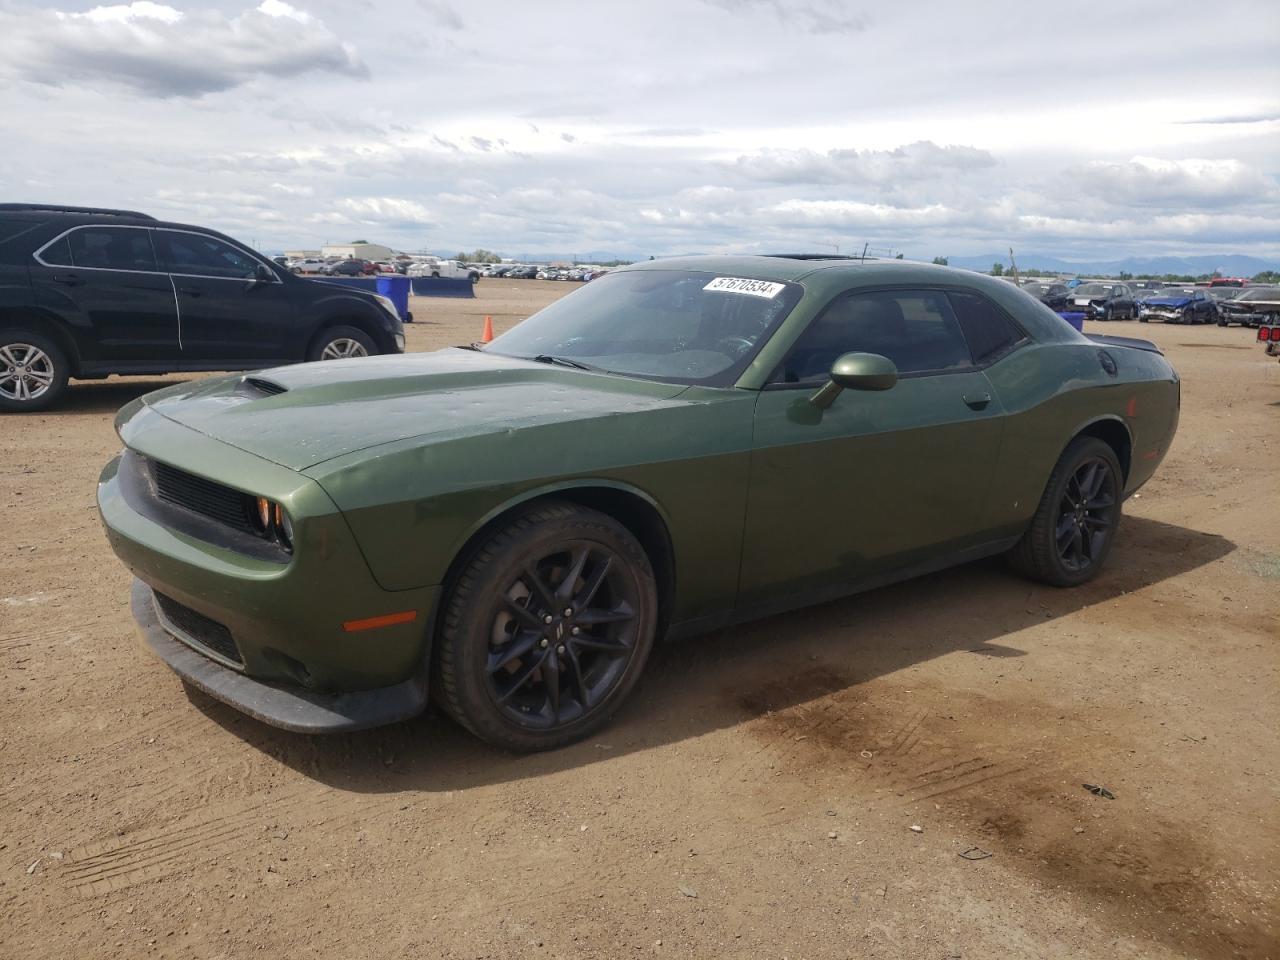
160, 51
391, 211
922, 160
662, 127
1156, 181
124, 13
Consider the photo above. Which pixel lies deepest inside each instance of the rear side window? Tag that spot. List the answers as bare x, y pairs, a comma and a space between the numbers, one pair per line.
988, 330
197, 255
57, 254
916, 329
110, 248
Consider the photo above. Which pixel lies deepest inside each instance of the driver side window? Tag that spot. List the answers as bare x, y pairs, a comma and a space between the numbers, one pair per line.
202, 256
916, 329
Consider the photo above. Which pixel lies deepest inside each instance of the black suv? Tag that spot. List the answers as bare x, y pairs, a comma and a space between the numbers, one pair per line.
86, 292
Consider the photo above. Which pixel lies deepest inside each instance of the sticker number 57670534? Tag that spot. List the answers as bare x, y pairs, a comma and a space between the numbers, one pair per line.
754, 288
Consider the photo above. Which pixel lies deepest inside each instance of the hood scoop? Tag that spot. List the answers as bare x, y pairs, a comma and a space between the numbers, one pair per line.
255, 387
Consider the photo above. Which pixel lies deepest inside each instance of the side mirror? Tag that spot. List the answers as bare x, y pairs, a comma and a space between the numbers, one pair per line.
856, 371
263, 274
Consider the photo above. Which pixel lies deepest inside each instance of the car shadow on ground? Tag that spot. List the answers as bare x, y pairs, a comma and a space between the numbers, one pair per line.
103, 396
732, 676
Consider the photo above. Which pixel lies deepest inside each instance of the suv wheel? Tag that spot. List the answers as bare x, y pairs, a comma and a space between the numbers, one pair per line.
33, 371
340, 343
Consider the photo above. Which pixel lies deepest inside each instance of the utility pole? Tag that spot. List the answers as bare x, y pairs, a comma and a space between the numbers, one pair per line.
1013, 265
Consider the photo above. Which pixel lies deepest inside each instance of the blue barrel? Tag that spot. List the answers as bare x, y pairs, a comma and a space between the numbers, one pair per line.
1075, 319
396, 289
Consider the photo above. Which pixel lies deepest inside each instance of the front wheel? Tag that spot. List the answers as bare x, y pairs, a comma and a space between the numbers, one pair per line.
1075, 522
546, 629
33, 371
341, 343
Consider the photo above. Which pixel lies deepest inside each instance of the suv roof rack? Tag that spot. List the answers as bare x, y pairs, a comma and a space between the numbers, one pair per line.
60, 208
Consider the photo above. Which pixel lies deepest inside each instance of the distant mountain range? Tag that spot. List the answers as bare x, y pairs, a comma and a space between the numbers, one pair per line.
1231, 265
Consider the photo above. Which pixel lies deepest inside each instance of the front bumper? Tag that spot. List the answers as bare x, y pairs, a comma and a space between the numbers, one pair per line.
290, 708
303, 622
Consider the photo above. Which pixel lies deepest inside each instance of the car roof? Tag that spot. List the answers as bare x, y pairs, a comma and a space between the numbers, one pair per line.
80, 216
853, 271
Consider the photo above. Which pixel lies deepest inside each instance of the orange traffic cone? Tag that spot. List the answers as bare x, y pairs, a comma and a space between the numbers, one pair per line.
488, 330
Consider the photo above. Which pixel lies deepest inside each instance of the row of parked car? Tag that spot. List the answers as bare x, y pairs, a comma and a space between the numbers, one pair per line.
1183, 303
354, 267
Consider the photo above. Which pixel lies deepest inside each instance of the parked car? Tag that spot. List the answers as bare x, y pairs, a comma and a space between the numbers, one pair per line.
1052, 294
347, 268
89, 292
1104, 301
310, 265
1229, 282
1180, 305
678, 446
1253, 306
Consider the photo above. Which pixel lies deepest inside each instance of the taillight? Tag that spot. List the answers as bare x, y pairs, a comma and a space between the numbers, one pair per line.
1275, 333
1262, 334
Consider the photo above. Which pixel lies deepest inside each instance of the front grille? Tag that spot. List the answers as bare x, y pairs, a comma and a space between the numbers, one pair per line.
205, 497
198, 628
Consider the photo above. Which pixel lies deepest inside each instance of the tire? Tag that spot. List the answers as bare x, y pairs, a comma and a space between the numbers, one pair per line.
499, 605
33, 371
1041, 554
339, 343
1142, 319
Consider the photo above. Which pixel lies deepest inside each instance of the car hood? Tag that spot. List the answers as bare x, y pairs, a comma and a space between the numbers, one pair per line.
303, 415
1167, 301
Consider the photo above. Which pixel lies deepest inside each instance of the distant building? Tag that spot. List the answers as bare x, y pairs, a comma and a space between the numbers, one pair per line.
357, 251
302, 254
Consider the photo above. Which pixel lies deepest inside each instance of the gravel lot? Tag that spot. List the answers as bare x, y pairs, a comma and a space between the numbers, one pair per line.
759, 796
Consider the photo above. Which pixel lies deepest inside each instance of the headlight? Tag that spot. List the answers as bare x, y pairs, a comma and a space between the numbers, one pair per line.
387, 305
273, 523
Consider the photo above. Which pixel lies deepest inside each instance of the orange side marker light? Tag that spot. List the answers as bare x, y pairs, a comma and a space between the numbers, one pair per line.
386, 620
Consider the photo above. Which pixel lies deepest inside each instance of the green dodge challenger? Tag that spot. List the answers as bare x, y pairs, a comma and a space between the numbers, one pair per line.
674, 447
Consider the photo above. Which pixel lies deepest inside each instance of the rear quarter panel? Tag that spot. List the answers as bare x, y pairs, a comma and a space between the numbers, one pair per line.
1052, 392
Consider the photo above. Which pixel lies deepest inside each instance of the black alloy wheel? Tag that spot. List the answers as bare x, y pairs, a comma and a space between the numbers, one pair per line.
1075, 522
547, 628
563, 635
1086, 514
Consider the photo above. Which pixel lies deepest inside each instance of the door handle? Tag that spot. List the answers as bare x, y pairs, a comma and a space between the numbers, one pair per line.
192, 291
977, 401
70, 279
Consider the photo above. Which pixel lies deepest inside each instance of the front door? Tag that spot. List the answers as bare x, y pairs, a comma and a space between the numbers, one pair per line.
878, 481
105, 284
229, 318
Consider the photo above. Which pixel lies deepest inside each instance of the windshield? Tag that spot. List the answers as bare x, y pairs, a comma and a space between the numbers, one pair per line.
1093, 290
1260, 293
674, 325
1176, 292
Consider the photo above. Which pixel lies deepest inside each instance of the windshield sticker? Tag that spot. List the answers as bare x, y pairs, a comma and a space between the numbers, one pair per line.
753, 288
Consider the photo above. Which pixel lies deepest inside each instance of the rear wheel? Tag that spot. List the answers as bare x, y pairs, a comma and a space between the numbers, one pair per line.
1075, 522
340, 343
33, 371
547, 629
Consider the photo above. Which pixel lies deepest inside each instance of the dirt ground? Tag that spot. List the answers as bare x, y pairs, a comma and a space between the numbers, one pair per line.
802, 787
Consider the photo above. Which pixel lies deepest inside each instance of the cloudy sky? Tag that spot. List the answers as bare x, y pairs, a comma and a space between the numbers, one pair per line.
1084, 130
